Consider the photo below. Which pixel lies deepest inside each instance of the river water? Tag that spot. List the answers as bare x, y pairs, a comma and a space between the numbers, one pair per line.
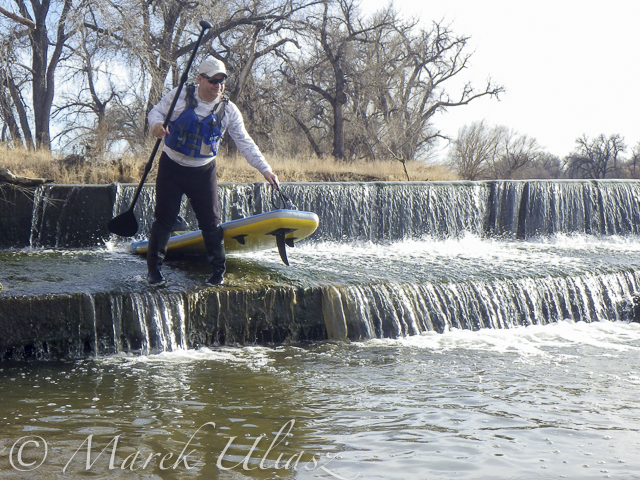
553, 401
525, 399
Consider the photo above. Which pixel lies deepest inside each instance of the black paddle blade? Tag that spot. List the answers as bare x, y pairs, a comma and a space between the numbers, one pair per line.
124, 225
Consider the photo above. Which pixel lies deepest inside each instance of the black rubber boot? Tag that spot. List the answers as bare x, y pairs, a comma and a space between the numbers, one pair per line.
156, 250
215, 255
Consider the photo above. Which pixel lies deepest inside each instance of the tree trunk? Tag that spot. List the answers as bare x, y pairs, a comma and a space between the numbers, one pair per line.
307, 132
22, 113
9, 120
338, 103
43, 66
338, 131
40, 97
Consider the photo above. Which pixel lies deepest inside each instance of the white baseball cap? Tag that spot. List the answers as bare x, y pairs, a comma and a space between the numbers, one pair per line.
211, 67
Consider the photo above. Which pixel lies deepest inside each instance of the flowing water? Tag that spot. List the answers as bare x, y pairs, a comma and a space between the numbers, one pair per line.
524, 398
553, 401
485, 333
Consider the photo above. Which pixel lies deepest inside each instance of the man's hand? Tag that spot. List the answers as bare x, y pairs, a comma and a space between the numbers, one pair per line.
159, 131
272, 178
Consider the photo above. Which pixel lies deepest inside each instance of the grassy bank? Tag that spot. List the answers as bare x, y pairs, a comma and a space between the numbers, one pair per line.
77, 170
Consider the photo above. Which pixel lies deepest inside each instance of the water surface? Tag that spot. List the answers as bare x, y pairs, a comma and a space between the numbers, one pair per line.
552, 401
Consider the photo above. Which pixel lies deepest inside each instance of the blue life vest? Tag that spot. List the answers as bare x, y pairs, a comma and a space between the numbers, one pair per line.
187, 133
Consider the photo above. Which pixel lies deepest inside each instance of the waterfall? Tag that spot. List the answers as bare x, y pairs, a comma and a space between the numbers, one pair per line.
379, 213
161, 321
390, 311
532, 208
391, 211
619, 203
375, 212
94, 322
116, 338
37, 215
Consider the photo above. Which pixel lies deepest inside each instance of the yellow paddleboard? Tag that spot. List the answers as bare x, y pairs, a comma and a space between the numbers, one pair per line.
258, 232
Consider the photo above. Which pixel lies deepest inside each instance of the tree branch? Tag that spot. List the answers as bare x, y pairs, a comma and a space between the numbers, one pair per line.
8, 177
17, 18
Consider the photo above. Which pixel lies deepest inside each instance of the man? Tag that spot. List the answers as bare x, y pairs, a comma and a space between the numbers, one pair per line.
187, 165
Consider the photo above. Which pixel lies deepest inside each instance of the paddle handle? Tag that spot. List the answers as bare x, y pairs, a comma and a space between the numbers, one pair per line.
183, 79
147, 169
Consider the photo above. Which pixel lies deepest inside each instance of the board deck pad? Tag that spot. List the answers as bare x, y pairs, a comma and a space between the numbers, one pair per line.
258, 232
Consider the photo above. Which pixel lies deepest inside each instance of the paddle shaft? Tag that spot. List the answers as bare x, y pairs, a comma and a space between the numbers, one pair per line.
183, 80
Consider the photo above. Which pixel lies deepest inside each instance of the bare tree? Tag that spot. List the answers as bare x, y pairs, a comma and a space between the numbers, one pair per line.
326, 67
482, 152
417, 75
301, 114
157, 34
10, 129
515, 153
84, 110
259, 40
151, 35
354, 86
635, 159
382, 78
475, 150
544, 166
46, 52
597, 158
12, 39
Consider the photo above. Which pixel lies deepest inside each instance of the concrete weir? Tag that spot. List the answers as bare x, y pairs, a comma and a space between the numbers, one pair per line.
84, 302
77, 325
71, 289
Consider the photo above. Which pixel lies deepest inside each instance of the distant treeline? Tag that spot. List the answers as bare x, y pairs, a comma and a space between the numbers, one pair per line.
483, 152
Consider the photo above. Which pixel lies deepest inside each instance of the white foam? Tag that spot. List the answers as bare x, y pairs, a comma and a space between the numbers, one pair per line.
549, 248
532, 340
252, 357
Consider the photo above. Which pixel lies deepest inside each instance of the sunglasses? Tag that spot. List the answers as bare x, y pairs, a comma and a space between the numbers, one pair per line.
213, 81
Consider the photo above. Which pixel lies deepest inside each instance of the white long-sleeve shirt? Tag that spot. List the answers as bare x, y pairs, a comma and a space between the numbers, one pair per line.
232, 122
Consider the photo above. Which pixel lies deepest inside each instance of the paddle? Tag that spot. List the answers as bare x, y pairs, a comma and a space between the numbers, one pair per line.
286, 202
125, 224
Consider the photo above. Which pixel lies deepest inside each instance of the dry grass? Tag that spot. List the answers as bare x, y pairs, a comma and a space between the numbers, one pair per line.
77, 170
236, 169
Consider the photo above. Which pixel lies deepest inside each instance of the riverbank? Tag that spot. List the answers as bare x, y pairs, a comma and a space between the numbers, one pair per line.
76, 169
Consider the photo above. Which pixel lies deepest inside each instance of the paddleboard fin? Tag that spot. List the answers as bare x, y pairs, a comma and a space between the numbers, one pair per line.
240, 239
282, 243
282, 248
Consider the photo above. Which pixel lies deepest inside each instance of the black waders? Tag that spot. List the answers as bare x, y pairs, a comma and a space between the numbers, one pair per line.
215, 254
156, 250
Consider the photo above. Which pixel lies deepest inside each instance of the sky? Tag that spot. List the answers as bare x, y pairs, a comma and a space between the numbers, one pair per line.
570, 68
